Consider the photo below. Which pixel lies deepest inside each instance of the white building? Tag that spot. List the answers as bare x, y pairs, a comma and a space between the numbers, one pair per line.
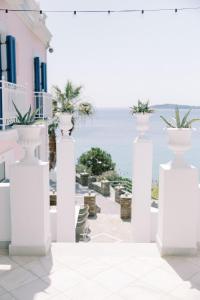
24, 41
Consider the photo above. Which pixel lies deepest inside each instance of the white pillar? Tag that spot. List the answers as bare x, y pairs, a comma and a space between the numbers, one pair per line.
142, 182
178, 208
65, 167
44, 146
29, 196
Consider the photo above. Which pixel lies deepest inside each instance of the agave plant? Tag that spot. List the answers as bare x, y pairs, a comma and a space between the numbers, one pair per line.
177, 122
27, 119
141, 108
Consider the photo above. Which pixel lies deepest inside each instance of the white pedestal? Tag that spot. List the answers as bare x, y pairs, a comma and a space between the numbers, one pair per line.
44, 145
30, 220
142, 182
65, 190
177, 223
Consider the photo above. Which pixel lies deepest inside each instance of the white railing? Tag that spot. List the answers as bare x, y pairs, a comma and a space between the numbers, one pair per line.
43, 102
11, 93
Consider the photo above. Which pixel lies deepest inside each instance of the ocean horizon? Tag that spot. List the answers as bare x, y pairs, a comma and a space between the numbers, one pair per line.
114, 130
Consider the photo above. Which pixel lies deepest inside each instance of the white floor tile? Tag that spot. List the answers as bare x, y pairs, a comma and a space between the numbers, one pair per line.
22, 260
92, 268
136, 267
37, 290
63, 279
180, 266
114, 279
16, 278
186, 291
141, 291
7, 297
44, 267
2, 291
87, 290
6, 265
162, 279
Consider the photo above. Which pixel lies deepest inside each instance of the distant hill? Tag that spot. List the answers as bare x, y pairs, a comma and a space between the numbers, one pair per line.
172, 106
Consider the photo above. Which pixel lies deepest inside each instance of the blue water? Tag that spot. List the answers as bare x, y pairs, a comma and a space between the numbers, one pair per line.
115, 129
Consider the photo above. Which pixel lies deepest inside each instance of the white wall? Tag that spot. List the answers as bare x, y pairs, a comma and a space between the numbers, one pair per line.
5, 234
28, 45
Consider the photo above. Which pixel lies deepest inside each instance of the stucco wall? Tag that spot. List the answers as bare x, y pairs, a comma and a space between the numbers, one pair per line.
28, 46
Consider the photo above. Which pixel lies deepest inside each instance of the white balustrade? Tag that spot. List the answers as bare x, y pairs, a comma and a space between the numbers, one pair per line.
12, 93
43, 102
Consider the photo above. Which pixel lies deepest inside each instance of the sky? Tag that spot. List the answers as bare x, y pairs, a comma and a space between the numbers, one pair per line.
121, 58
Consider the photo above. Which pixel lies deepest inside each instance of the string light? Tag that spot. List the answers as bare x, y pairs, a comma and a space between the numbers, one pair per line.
6, 10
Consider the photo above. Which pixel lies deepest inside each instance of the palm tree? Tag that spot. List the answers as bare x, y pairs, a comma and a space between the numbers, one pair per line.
66, 101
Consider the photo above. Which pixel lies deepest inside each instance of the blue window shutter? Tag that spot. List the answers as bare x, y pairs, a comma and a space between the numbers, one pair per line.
1, 111
37, 74
11, 58
44, 76
0, 61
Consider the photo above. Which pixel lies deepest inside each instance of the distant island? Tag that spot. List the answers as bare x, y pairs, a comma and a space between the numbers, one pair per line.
172, 106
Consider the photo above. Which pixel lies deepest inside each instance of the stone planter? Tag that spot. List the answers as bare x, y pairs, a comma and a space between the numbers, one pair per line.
91, 180
125, 202
105, 188
90, 200
142, 125
84, 178
65, 123
29, 139
118, 192
179, 141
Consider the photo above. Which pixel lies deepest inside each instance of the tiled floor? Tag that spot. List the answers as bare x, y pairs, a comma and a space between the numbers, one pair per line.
115, 271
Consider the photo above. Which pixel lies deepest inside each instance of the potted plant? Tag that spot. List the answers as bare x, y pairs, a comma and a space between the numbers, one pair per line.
67, 108
28, 133
142, 111
179, 136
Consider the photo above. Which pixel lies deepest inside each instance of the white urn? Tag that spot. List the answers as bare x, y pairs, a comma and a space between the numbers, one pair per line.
142, 123
29, 139
65, 123
179, 141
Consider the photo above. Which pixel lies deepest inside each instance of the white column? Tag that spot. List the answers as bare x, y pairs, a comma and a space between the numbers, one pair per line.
29, 196
65, 167
142, 182
44, 146
178, 208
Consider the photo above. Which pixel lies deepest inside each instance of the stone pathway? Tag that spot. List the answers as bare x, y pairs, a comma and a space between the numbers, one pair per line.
107, 227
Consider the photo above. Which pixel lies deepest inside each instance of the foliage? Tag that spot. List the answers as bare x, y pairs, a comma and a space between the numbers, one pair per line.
81, 169
141, 107
108, 175
52, 127
177, 122
155, 191
68, 100
27, 119
97, 160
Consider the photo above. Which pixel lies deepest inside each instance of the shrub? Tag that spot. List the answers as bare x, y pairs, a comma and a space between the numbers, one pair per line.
97, 160
81, 169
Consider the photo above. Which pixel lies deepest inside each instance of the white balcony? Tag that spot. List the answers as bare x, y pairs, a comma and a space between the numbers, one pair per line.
43, 102
11, 93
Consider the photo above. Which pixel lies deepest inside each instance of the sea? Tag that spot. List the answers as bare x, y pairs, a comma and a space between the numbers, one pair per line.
114, 131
